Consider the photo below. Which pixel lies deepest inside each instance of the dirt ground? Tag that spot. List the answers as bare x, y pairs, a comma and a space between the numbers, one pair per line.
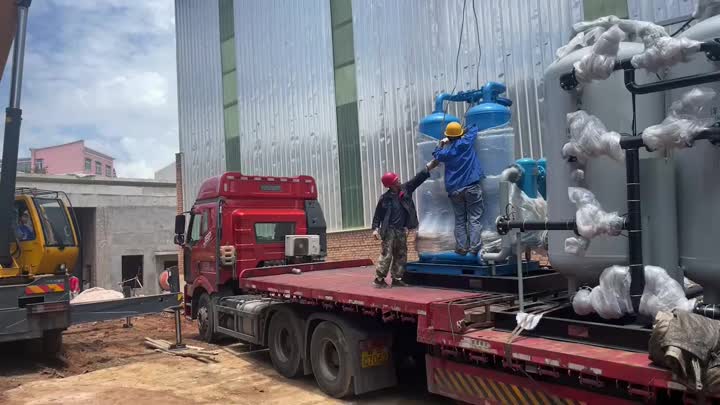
104, 363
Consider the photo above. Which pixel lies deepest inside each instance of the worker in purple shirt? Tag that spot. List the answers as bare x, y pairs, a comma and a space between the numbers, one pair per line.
463, 175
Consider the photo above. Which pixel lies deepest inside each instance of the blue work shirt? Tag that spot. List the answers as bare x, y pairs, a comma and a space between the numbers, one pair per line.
462, 166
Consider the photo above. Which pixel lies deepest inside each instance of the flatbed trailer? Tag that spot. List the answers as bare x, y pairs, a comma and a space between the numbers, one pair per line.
465, 357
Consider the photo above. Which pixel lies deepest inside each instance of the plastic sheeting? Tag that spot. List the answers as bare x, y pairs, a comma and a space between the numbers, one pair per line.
495, 149
591, 220
599, 64
590, 138
682, 125
665, 52
611, 298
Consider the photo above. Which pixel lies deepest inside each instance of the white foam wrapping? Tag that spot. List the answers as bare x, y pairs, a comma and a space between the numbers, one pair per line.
576, 245
706, 8
665, 52
679, 129
589, 138
96, 294
599, 64
590, 218
611, 298
662, 293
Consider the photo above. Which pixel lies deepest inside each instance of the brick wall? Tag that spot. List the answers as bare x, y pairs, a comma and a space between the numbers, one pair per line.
360, 244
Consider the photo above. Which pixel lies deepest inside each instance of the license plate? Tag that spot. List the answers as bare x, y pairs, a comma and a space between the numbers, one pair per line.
374, 358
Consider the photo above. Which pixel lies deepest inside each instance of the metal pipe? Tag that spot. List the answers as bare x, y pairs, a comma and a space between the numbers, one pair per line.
504, 225
504, 200
440, 101
11, 140
521, 292
668, 84
711, 311
634, 226
19, 54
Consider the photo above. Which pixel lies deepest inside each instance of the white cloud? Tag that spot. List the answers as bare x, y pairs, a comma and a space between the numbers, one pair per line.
103, 71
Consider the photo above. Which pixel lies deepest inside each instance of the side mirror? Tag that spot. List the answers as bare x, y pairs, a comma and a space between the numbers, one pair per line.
179, 229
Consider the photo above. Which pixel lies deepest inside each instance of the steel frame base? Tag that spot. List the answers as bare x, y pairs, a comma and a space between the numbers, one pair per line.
560, 322
534, 282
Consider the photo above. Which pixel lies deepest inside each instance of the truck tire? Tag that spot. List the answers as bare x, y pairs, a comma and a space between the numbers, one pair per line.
284, 344
331, 360
52, 342
205, 318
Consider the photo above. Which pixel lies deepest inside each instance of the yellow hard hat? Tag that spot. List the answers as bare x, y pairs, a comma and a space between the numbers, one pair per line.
454, 130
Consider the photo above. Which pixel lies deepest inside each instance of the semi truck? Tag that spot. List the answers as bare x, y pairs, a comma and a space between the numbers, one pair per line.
251, 276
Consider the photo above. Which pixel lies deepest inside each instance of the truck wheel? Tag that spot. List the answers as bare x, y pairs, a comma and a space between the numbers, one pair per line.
52, 342
205, 318
330, 359
284, 345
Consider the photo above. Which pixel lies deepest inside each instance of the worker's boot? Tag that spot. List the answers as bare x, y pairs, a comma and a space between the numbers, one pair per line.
398, 283
461, 252
379, 283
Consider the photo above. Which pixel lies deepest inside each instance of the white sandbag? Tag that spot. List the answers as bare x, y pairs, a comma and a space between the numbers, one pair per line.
589, 138
600, 63
662, 293
97, 294
682, 124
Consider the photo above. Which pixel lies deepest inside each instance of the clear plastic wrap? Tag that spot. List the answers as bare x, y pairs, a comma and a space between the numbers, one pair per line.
576, 245
662, 293
529, 209
682, 124
665, 52
611, 298
581, 40
590, 138
590, 218
602, 22
599, 64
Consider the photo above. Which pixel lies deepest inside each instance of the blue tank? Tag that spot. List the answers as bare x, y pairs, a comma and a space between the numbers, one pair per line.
542, 177
493, 111
434, 124
528, 180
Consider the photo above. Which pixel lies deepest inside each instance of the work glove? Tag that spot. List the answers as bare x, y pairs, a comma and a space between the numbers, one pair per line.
376, 234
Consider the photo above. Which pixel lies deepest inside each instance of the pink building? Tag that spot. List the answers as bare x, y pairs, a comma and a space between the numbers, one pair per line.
71, 158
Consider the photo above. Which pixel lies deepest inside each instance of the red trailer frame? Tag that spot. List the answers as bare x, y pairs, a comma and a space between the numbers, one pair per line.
466, 352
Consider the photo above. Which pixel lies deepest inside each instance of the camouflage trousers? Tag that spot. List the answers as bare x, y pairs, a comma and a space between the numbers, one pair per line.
394, 254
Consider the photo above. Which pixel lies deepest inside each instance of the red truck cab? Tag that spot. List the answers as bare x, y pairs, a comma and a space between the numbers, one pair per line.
239, 222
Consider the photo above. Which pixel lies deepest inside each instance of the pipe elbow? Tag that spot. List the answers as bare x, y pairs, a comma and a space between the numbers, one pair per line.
500, 256
440, 100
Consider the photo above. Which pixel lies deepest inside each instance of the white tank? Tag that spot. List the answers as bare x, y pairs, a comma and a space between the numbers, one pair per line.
698, 168
610, 101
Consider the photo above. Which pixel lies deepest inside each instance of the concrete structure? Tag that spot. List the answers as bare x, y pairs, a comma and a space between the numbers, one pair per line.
125, 224
71, 158
24, 165
167, 173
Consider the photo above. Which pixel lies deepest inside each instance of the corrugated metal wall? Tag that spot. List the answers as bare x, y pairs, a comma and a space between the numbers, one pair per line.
405, 54
286, 94
199, 93
659, 10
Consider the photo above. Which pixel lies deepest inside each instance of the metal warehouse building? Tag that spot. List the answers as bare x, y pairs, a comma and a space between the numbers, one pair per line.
335, 88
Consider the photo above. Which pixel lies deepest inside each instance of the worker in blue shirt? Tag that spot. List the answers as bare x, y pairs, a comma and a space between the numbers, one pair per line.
463, 175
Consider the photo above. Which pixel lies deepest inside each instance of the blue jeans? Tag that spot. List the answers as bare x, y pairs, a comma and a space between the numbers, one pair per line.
468, 206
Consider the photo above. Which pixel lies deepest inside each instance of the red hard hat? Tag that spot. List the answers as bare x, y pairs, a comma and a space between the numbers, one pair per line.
389, 179
74, 284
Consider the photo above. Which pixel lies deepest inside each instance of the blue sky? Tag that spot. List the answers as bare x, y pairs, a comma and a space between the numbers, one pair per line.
103, 71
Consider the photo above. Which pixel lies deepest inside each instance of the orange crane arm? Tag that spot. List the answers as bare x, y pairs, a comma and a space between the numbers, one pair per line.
8, 23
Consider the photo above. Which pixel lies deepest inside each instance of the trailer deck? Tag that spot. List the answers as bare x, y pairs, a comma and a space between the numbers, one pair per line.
445, 322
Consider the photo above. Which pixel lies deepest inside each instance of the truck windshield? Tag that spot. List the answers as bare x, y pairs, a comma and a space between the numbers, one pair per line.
273, 232
55, 222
